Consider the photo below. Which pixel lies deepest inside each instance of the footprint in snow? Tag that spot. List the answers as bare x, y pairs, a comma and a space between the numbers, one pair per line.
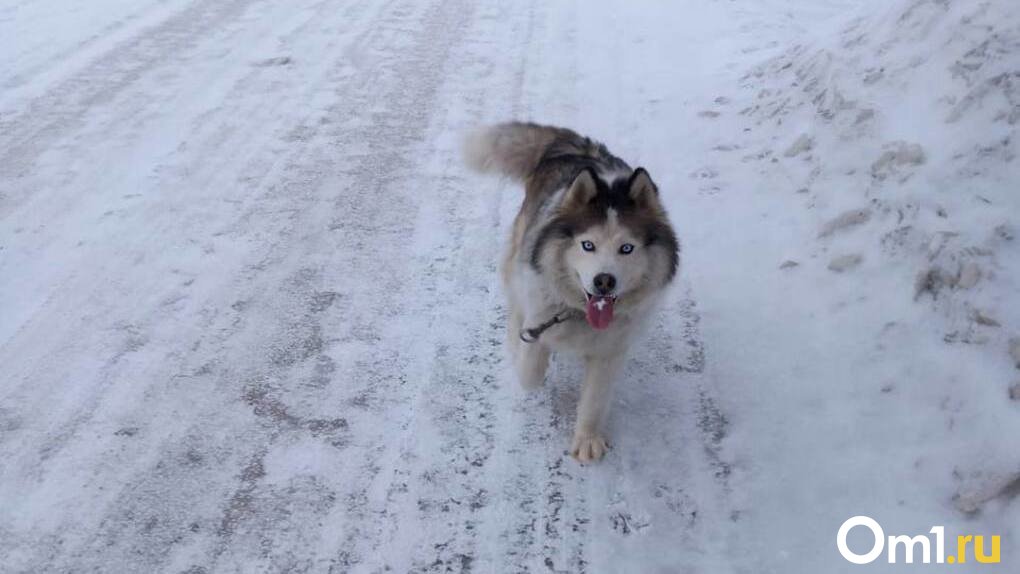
270, 62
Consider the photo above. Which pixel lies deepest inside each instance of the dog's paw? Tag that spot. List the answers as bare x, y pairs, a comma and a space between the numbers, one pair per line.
588, 448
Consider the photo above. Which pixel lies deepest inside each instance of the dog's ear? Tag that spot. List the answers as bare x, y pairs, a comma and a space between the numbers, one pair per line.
582, 190
643, 190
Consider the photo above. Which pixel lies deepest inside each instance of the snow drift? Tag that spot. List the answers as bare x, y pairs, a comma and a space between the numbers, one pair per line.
898, 130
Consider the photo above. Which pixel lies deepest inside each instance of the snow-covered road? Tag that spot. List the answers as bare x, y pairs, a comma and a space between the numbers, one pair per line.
250, 318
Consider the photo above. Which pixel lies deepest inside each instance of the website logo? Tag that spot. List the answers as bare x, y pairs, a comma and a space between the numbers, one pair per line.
926, 545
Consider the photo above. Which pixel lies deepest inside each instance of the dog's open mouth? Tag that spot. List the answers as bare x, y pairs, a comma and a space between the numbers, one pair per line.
599, 310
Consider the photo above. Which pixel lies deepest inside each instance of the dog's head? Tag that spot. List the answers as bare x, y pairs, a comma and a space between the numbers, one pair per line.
609, 245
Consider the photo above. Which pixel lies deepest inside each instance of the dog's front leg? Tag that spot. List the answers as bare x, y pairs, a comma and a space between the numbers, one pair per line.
515, 322
532, 361
589, 444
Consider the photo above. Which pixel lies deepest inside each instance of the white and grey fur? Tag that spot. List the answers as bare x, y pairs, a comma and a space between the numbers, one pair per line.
576, 191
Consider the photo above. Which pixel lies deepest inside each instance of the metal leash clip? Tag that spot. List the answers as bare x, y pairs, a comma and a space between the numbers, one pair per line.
531, 335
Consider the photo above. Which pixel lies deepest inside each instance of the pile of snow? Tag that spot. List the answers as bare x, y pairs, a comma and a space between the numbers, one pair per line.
937, 85
900, 130
884, 175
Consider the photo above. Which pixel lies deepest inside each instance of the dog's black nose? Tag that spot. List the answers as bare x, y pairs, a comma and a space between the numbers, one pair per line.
604, 283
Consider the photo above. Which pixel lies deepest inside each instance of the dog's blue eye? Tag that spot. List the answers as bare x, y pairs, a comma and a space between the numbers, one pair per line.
626, 248
588, 246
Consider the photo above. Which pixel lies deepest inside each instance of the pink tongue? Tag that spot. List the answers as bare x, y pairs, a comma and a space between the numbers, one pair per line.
599, 312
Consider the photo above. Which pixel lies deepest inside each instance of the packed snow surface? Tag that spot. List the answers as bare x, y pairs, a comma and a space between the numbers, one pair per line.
250, 314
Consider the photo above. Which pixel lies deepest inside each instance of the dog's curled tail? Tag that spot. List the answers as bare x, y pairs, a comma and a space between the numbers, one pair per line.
513, 149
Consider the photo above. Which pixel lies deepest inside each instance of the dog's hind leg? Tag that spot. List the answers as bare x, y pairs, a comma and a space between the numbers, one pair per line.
532, 362
589, 443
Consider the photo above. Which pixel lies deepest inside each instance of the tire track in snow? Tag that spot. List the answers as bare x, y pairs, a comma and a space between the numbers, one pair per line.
370, 223
422, 485
138, 328
37, 59
196, 451
27, 134
343, 400
372, 217
157, 125
429, 486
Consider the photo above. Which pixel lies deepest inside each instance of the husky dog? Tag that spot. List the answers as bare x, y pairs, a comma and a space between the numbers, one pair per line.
590, 255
